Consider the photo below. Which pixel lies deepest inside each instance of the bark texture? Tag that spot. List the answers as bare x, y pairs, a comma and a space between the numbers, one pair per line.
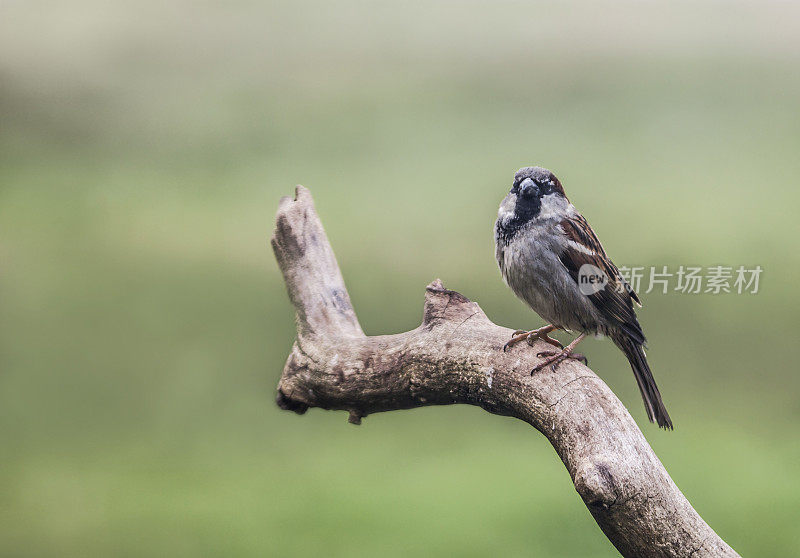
455, 356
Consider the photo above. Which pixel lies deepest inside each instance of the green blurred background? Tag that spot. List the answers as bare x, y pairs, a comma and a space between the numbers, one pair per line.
144, 323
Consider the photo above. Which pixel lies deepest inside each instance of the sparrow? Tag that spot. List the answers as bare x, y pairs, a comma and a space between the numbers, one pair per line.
552, 260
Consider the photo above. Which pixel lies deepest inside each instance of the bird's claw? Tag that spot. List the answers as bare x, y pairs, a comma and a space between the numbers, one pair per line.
516, 337
554, 358
546, 338
531, 337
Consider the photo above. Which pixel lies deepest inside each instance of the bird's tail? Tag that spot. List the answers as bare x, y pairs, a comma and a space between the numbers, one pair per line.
656, 411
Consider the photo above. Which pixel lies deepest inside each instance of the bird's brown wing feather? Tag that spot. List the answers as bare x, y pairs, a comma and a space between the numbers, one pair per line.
615, 300
616, 306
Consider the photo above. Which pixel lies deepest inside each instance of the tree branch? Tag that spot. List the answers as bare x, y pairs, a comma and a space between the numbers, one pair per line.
455, 356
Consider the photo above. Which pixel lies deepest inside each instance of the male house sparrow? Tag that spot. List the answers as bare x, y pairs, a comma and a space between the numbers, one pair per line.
552, 260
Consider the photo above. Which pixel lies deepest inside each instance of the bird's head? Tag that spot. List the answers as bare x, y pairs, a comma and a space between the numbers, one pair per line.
534, 183
535, 193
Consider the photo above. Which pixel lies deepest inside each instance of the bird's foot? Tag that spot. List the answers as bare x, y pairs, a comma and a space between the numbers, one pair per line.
532, 336
554, 358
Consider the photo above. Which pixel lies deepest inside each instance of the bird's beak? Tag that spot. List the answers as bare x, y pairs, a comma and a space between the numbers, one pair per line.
528, 188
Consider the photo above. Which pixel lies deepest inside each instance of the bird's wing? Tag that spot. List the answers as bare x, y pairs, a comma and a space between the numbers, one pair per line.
615, 299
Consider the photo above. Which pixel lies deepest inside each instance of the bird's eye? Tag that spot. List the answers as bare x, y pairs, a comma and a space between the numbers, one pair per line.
515, 188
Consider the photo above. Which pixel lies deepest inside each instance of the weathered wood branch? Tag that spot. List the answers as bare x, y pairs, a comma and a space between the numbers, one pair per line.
455, 356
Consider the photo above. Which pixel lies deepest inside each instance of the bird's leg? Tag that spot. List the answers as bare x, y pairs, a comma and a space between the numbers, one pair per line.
532, 336
555, 358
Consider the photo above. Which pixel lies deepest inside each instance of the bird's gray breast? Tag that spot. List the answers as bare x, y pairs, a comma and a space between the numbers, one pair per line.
530, 265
